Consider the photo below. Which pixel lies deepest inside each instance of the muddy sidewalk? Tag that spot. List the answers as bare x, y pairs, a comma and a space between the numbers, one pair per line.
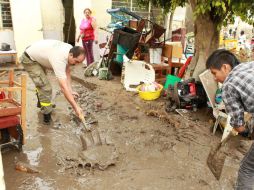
154, 150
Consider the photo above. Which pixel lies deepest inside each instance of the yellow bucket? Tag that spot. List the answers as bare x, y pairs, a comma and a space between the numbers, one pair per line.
149, 95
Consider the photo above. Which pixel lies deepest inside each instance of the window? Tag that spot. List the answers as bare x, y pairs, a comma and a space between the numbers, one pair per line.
5, 14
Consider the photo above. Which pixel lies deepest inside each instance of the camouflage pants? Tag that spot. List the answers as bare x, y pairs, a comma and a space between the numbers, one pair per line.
37, 74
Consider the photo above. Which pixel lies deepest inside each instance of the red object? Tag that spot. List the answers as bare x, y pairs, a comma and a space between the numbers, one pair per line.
9, 121
87, 29
192, 87
184, 67
2, 95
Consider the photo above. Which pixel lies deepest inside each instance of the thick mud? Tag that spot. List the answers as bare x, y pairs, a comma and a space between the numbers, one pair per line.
143, 147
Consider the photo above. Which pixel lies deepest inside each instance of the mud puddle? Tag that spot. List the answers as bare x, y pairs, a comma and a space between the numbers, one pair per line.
147, 151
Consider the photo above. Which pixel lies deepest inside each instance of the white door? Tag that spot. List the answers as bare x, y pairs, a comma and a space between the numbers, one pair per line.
27, 23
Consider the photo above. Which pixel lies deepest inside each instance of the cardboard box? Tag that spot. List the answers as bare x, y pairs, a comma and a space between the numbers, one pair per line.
177, 49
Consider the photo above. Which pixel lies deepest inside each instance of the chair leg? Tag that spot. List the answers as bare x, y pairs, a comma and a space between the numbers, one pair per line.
216, 124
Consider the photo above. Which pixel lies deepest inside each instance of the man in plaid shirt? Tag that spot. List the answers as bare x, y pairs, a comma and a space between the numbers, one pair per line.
238, 96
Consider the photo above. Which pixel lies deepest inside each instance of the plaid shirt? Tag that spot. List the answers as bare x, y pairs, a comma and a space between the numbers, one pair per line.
238, 93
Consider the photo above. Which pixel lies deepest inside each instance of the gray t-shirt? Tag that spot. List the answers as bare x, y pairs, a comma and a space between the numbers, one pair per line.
51, 54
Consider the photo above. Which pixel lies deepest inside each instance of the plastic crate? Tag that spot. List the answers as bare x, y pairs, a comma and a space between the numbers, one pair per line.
127, 38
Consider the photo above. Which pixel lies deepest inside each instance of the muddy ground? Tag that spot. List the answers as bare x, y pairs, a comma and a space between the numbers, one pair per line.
154, 150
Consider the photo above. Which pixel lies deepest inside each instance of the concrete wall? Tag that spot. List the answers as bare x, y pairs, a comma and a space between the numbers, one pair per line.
34, 20
52, 13
27, 25
37, 19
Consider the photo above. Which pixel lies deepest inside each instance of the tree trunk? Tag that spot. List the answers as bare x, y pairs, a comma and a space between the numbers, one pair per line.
189, 20
206, 41
169, 35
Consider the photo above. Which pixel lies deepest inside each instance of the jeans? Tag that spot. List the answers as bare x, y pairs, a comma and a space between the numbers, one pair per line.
245, 180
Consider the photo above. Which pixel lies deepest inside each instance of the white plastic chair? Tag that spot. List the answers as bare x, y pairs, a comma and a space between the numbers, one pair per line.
211, 86
136, 72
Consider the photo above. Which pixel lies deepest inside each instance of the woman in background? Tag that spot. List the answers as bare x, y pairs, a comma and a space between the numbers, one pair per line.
88, 34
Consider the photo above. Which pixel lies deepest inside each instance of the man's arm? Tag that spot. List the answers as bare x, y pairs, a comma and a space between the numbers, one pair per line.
234, 107
68, 95
68, 74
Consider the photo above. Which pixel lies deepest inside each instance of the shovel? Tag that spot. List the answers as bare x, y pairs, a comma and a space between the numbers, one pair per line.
87, 128
85, 125
216, 158
91, 136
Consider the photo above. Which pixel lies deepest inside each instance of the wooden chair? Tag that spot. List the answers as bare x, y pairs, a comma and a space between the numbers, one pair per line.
12, 111
161, 71
168, 52
167, 66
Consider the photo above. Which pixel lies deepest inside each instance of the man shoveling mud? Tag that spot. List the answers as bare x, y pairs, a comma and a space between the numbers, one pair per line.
56, 55
238, 96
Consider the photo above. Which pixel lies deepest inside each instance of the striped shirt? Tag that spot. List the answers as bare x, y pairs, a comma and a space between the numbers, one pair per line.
238, 93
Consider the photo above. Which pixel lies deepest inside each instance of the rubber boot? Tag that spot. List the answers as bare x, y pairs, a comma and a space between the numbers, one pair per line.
47, 118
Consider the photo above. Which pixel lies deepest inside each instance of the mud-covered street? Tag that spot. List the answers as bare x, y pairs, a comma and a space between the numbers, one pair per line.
126, 95
145, 148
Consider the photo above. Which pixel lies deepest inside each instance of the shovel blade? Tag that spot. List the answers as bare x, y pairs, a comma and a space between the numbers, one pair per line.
86, 126
90, 139
216, 160
96, 137
87, 140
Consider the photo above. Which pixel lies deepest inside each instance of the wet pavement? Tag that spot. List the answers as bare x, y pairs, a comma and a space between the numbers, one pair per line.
152, 153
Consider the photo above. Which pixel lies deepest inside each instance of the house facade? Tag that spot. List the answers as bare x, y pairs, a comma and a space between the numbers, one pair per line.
26, 21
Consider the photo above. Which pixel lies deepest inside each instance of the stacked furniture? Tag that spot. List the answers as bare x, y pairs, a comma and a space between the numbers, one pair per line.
13, 111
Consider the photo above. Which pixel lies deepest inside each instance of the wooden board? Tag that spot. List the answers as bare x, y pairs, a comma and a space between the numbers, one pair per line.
210, 86
8, 107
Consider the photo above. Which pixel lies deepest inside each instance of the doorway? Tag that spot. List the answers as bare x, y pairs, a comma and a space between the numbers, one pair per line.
69, 28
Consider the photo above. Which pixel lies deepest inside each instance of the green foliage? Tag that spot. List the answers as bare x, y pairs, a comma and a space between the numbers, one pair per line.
244, 9
167, 5
220, 11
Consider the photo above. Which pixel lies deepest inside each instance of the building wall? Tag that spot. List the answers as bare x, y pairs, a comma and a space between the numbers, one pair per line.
52, 19
37, 19
27, 23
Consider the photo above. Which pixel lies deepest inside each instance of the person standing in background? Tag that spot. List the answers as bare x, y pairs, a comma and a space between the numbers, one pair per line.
88, 34
242, 39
